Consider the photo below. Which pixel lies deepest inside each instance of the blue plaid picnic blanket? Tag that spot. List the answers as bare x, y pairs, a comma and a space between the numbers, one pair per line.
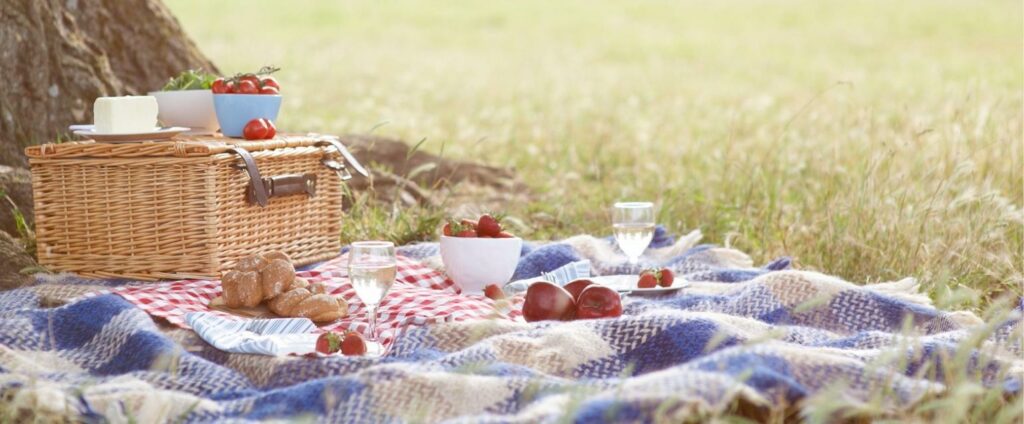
764, 337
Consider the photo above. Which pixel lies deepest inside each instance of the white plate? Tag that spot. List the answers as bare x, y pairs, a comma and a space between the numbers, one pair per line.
627, 284
89, 131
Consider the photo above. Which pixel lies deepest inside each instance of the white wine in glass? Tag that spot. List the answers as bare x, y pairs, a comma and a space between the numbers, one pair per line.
372, 269
633, 226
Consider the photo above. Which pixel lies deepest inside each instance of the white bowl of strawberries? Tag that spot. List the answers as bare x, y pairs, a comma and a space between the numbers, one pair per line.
479, 253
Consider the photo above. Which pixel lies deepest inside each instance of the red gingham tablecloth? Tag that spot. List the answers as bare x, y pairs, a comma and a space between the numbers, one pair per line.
420, 296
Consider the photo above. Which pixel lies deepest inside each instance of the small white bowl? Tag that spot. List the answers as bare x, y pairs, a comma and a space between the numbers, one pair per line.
187, 108
474, 263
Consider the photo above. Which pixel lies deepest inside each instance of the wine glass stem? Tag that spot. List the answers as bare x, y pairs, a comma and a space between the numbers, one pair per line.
371, 316
633, 260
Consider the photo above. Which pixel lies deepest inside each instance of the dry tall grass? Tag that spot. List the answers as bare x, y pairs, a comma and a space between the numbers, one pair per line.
873, 140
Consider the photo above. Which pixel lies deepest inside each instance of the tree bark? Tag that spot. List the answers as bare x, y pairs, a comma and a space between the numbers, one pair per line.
56, 57
13, 262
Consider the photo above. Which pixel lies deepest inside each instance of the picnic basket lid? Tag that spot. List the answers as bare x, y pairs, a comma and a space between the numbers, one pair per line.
181, 147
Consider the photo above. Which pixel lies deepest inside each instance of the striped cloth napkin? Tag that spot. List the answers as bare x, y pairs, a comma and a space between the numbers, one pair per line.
563, 275
277, 336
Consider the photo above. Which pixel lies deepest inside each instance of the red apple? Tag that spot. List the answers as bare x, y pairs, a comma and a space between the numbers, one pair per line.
546, 301
598, 301
576, 287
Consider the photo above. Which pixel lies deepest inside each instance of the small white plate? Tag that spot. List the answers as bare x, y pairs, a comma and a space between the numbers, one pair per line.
627, 284
89, 131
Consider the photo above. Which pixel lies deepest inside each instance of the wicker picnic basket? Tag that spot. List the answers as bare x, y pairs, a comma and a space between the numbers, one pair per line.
186, 208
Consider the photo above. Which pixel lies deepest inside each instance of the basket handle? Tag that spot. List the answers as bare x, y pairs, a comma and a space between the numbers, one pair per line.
285, 185
333, 142
257, 189
261, 190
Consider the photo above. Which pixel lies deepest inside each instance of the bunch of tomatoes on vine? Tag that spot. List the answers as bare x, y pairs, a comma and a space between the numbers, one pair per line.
259, 82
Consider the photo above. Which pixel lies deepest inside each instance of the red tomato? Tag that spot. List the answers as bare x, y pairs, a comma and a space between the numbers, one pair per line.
247, 87
598, 302
271, 128
270, 82
256, 129
269, 90
220, 86
251, 78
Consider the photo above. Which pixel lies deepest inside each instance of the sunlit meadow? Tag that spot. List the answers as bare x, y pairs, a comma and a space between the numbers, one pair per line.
873, 140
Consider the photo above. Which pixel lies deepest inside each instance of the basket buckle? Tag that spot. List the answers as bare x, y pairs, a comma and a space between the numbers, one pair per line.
332, 141
338, 168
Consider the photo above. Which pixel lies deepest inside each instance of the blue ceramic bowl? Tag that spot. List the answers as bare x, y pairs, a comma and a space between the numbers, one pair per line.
236, 110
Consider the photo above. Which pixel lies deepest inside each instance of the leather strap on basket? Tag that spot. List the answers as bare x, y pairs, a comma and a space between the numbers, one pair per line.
257, 190
344, 153
261, 189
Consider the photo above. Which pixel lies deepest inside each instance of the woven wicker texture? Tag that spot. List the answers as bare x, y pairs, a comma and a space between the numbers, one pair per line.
177, 209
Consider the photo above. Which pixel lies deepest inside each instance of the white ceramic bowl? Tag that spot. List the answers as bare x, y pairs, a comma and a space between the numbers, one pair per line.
187, 108
473, 263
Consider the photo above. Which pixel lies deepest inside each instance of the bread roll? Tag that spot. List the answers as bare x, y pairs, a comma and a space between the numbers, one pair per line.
335, 314
299, 283
251, 263
317, 288
323, 307
275, 255
276, 278
271, 277
286, 302
241, 289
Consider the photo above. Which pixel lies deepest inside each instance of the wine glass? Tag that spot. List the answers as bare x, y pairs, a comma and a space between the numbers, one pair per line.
633, 226
371, 268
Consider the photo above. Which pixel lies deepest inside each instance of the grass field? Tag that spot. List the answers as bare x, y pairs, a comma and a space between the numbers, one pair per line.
873, 140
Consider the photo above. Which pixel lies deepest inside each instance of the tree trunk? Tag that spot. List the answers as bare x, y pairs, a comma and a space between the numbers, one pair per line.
56, 57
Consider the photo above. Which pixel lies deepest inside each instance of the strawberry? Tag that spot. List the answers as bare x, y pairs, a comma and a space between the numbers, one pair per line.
647, 280
328, 343
488, 226
464, 228
353, 345
504, 234
665, 277
494, 292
